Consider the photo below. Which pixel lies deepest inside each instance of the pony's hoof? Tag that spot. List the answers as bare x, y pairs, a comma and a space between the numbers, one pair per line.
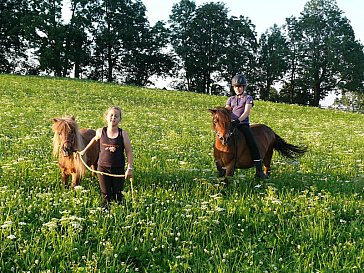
261, 176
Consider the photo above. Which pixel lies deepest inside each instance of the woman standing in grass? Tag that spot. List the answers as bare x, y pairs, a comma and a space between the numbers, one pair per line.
240, 106
113, 143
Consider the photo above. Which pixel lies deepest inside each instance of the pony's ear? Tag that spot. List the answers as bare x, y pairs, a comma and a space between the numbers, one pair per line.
55, 120
212, 111
73, 118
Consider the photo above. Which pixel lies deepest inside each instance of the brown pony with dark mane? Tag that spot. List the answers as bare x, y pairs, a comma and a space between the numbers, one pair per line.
67, 140
231, 151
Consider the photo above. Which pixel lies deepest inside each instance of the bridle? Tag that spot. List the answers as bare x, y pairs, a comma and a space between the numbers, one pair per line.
68, 146
225, 139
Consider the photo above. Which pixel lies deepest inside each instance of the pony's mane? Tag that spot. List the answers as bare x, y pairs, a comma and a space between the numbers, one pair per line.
65, 126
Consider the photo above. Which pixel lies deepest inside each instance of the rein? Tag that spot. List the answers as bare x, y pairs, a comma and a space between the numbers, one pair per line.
236, 148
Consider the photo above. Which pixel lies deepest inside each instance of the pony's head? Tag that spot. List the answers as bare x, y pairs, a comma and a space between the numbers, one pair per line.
66, 138
221, 123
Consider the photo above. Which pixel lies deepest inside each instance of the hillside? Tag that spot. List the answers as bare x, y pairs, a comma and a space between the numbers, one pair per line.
307, 217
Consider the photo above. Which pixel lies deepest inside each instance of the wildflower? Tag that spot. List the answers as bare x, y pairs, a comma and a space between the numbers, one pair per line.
218, 209
76, 225
78, 188
7, 224
11, 237
50, 225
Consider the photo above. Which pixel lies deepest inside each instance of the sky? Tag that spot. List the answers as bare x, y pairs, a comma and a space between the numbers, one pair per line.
263, 13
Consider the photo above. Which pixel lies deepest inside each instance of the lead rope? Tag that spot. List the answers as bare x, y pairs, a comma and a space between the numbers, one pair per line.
78, 154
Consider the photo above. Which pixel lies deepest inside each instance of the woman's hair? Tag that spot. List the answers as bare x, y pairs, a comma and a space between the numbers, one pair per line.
113, 108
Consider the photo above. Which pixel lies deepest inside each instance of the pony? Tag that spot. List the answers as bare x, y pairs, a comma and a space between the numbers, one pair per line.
231, 151
67, 140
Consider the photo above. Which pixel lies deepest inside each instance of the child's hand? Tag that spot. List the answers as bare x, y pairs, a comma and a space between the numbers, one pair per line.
129, 173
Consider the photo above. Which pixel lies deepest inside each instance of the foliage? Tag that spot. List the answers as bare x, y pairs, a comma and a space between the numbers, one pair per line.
200, 47
13, 21
327, 52
307, 217
241, 50
352, 101
273, 60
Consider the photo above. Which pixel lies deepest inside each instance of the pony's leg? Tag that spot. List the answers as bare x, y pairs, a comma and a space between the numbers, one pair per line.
94, 168
229, 173
267, 161
220, 169
75, 180
64, 179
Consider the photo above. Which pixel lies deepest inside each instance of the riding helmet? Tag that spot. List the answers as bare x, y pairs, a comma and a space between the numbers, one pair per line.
238, 80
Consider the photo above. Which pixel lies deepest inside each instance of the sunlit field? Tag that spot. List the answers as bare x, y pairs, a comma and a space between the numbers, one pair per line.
308, 217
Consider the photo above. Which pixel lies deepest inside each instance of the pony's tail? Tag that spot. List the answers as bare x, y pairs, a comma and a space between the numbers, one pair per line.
288, 150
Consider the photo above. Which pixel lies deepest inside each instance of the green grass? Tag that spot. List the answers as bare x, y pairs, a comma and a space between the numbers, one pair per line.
308, 217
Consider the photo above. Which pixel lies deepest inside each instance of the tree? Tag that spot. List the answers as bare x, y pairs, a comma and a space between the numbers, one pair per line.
181, 35
145, 56
49, 35
353, 101
287, 94
240, 51
208, 43
78, 40
273, 59
14, 19
117, 23
328, 53
113, 25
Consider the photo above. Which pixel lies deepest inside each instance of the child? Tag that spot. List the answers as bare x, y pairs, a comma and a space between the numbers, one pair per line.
240, 106
113, 142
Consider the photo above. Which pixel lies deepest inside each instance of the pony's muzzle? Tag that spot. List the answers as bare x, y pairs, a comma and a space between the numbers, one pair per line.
225, 139
67, 150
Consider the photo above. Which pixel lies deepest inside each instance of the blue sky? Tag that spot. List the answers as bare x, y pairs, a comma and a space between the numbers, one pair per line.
264, 13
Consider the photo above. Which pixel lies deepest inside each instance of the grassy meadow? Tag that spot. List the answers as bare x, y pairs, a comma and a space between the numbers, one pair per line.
308, 217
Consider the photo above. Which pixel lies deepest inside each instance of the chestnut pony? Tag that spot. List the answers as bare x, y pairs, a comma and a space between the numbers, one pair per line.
231, 151
67, 140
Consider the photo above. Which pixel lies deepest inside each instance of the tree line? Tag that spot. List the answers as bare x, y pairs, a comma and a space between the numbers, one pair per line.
200, 47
